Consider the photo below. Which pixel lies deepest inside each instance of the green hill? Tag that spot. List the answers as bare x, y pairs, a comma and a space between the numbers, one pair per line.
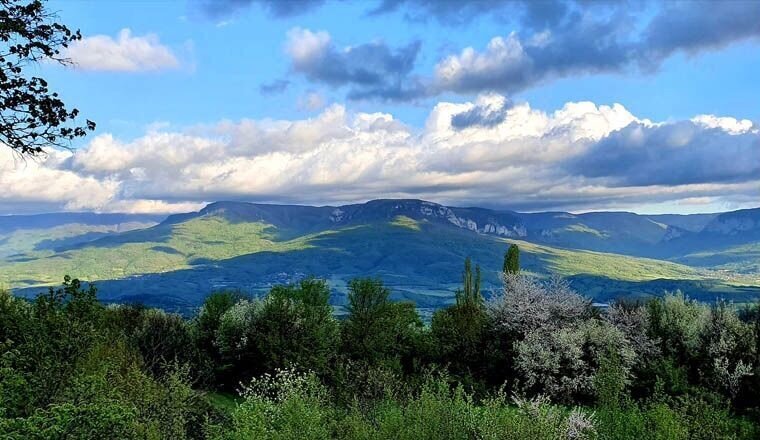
416, 247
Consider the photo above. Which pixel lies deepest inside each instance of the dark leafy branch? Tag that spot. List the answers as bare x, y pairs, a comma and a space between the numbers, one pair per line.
31, 116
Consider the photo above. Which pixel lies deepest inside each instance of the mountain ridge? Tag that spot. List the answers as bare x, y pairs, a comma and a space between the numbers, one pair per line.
416, 246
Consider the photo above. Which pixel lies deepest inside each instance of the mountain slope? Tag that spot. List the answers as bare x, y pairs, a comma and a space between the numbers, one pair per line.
44, 233
416, 247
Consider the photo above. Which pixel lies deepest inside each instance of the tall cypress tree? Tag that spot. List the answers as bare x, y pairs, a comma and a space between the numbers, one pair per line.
470, 293
512, 260
459, 329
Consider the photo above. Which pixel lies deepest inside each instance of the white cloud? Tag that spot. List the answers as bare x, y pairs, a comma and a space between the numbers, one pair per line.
125, 53
152, 207
526, 158
504, 60
43, 182
727, 124
304, 46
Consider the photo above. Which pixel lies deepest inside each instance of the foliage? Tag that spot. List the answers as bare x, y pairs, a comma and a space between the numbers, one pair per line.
511, 260
377, 331
204, 330
69, 372
536, 361
286, 405
677, 322
163, 340
293, 325
563, 363
526, 304
31, 116
458, 331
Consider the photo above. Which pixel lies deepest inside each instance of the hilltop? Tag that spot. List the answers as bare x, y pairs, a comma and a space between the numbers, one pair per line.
416, 247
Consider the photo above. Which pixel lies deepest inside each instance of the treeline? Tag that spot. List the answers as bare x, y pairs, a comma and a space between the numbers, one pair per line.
536, 360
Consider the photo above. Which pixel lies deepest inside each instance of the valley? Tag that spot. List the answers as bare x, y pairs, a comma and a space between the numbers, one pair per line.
415, 247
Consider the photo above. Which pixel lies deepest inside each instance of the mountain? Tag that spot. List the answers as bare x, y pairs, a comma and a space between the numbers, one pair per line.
729, 242
10, 223
21, 234
416, 247
686, 222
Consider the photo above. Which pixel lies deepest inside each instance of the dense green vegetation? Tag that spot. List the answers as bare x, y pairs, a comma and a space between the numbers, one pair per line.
511, 260
153, 250
534, 361
183, 245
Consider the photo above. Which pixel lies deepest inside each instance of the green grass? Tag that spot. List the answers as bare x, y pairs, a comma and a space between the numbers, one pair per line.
24, 241
742, 259
207, 238
406, 222
225, 402
620, 267
583, 229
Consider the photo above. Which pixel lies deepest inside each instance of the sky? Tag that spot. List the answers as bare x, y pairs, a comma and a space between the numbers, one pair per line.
651, 107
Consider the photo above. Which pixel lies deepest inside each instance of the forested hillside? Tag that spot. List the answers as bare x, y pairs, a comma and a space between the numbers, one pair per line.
415, 247
536, 360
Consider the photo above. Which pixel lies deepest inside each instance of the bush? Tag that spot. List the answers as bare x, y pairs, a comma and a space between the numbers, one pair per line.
563, 363
163, 339
285, 405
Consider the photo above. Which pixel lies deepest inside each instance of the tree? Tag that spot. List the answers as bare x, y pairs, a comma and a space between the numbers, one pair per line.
677, 322
163, 340
31, 116
562, 363
469, 295
295, 327
42, 342
459, 330
512, 260
210, 315
377, 330
235, 340
204, 330
527, 304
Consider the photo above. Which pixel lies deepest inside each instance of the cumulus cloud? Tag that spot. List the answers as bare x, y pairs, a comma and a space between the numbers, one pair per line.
125, 53
487, 112
674, 154
581, 42
727, 124
490, 151
503, 65
44, 182
546, 41
577, 38
372, 70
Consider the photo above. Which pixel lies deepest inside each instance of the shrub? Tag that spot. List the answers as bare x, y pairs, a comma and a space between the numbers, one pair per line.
285, 405
526, 304
563, 363
163, 339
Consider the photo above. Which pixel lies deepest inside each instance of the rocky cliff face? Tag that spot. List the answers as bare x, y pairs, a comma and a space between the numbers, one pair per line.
477, 220
736, 222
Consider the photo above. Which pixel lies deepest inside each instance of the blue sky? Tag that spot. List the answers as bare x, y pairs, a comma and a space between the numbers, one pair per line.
364, 97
